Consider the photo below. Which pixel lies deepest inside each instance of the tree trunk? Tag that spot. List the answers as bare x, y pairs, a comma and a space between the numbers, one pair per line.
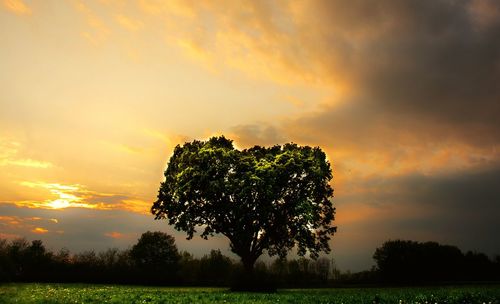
249, 280
248, 263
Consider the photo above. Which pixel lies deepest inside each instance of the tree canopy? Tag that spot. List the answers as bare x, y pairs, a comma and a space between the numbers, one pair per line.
155, 250
406, 261
262, 198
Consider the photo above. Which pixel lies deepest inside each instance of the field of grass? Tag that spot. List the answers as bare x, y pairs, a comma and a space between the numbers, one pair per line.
82, 293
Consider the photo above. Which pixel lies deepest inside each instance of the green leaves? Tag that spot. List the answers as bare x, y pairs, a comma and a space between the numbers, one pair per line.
260, 198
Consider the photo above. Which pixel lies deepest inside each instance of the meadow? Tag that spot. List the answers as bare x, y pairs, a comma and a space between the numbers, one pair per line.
86, 293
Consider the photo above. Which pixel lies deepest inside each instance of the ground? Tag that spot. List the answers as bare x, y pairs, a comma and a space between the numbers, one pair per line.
86, 293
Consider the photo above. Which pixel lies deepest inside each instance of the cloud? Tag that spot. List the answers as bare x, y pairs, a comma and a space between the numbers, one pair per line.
13, 226
96, 32
9, 156
468, 205
114, 235
156, 7
458, 209
256, 134
413, 86
19, 220
78, 196
11, 220
438, 72
170, 140
484, 13
407, 64
118, 235
414, 103
39, 230
84, 229
26, 163
128, 23
413, 133
254, 37
17, 6
416, 92
9, 236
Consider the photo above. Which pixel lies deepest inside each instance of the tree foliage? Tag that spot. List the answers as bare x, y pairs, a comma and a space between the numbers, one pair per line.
262, 199
155, 250
405, 261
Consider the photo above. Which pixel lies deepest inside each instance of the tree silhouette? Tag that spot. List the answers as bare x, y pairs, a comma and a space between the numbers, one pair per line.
155, 251
261, 199
215, 268
405, 261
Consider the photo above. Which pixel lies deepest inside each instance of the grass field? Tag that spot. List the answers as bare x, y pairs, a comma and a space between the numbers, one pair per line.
81, 293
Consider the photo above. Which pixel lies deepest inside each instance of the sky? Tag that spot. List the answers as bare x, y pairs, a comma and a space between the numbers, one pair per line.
403, 96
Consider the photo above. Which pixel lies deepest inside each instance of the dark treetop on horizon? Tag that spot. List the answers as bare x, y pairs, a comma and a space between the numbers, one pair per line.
259, 198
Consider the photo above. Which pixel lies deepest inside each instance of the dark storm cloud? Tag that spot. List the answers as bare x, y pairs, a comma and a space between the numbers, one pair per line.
457, 209
461, 208
438, 64
424, 71
467, 206
415, 65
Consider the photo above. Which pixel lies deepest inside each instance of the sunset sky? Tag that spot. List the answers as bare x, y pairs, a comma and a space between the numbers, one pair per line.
403, 96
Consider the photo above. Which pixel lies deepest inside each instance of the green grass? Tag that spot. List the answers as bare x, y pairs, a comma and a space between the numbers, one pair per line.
82, 293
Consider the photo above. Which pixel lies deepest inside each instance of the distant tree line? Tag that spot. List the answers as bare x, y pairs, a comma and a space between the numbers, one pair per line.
409, 262
155, 260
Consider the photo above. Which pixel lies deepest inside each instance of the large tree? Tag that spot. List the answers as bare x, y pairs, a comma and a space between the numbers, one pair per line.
262, 199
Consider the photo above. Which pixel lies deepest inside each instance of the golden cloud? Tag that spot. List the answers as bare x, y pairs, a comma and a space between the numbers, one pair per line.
65, 196
128, 23
9, 156
97, 31
26, 163
137, 206
119, 235
17, 6
17, 223
8, 235
170, 140
39, 230
77, 196
10, 220
14, 220
114, 235
264, 40
157, 7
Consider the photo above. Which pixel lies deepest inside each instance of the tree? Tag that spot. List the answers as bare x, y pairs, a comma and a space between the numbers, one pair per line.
261, 199
155, 251
4, 260
16, 251
323, 268
36, 260
405, 261
215, 268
